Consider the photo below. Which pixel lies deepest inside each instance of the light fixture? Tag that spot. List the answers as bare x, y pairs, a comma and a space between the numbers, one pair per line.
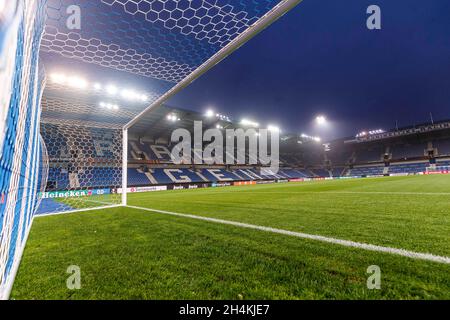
321, 120
273, 128
77, 82
209, 113
112, 90
127, 94
58, 78
371, 132
246, 122
311, 138
173, 117
109, 106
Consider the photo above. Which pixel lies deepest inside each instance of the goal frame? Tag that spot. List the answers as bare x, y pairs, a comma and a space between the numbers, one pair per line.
274, 14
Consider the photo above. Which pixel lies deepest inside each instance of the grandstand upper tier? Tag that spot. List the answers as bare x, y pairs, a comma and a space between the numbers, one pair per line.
150, 142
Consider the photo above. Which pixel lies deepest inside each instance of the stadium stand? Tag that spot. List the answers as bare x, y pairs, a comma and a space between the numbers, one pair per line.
339, 154
366, 171
408, 167
137, 178
443, 162
338, 171
320, 172
150, 162
442, 147
369, 154
160, 176
408, 151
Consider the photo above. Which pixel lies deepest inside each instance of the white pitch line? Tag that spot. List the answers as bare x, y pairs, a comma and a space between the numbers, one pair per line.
346, 243
354, 192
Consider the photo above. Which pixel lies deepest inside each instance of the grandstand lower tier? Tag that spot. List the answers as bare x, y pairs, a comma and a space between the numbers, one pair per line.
68, 191
63, 179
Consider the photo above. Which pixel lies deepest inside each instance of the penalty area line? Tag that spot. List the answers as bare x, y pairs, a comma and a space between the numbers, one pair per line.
345, 243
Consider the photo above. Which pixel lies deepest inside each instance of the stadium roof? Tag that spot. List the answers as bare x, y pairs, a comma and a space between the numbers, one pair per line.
150, 48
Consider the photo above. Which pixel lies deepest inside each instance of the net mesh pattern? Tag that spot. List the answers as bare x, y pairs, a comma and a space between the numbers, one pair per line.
85, 167
20, 145
164, 40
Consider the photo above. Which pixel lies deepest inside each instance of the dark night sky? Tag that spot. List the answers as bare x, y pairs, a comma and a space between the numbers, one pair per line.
321, 58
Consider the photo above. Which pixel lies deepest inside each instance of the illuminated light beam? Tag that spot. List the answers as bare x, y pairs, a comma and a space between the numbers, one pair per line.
321, 120
246, 122
273, 128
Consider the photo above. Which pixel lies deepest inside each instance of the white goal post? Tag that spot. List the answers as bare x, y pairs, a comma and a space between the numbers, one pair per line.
88, 159
278, 11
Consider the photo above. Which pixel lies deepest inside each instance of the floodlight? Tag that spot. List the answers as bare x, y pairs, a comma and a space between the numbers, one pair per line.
109, 106
209, 113
127, 94
173, 117
321, 120
97, 86
58, 78
112, 90
76, 82
273, 128
250, 123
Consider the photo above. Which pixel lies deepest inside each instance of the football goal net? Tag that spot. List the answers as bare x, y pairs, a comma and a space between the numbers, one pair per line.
81, 103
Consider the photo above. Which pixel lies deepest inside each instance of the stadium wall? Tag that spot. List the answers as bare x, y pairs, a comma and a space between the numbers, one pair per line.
21, 149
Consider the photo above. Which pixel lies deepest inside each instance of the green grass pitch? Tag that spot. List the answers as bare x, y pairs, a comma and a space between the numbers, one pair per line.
126, 253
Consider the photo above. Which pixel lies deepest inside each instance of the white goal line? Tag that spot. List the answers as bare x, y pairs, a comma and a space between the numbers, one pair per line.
346, 243
77, 211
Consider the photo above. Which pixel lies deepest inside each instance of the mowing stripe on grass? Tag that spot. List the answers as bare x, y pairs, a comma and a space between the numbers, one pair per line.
346, 243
